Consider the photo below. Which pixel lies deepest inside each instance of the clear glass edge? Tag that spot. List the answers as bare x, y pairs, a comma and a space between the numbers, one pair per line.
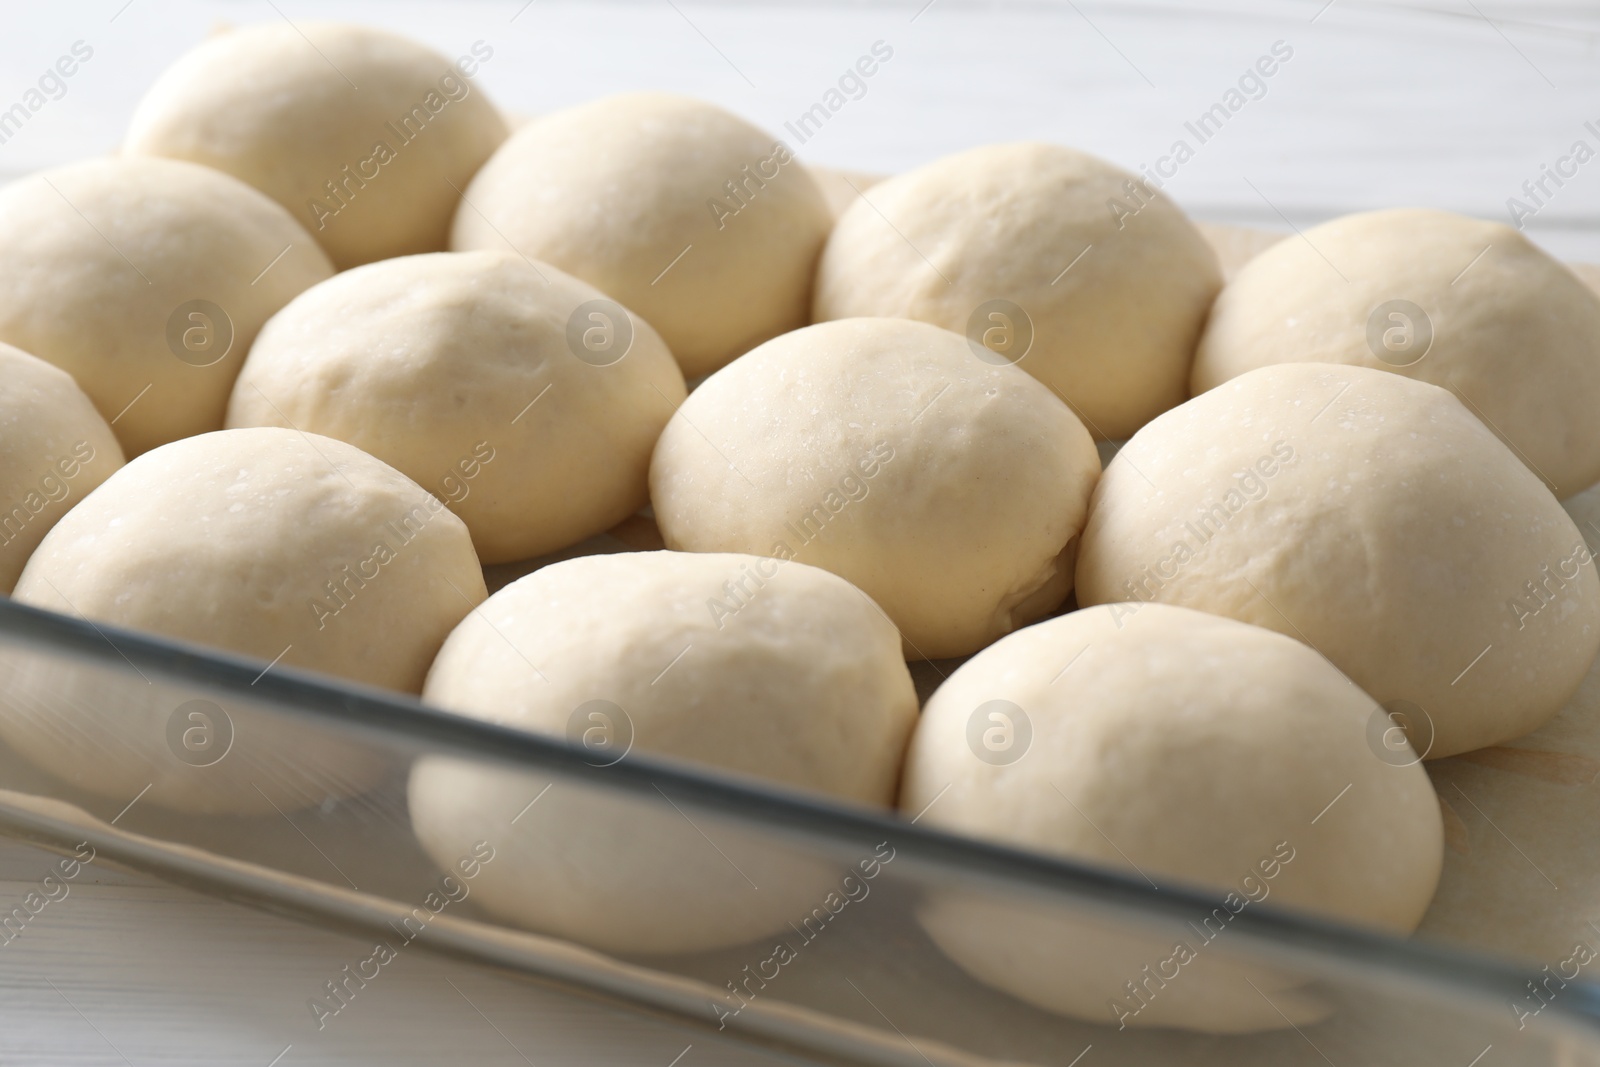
1451, 977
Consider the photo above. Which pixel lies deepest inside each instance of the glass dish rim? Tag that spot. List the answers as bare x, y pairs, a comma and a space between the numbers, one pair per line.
1448, 975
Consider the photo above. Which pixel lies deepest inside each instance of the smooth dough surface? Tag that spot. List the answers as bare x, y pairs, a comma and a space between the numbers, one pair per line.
949, 489
439, 365
1112, 333
684, 213
54, 449
800, 683
1186, 749
1510, 330
106, 264
286, 547
366, 138
1371, 516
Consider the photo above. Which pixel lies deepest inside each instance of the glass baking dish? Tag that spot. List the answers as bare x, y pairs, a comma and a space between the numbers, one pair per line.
859, 979
851, 977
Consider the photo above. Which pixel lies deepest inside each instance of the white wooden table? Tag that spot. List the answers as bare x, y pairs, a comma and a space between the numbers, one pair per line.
1437, 103
1445, 103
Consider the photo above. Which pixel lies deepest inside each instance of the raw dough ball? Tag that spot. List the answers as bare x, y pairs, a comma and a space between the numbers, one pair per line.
751, 665
146, 280
1472, 306
1372, 517
1184, 749
283, 546
365, 137
434, 364
1003, 228
253, 540
951, 490
687, 215
54, 448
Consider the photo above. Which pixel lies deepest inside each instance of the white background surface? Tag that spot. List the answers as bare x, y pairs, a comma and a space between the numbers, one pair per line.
1442, 103
1439, 103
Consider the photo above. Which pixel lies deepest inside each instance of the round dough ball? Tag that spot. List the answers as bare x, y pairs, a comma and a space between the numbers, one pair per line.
757, 666
54, 448
1372, 517
988, 243
434, 364
365, 137
689, 216
1184, 749
146, 280
952, 491
287, 547
1472, 306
